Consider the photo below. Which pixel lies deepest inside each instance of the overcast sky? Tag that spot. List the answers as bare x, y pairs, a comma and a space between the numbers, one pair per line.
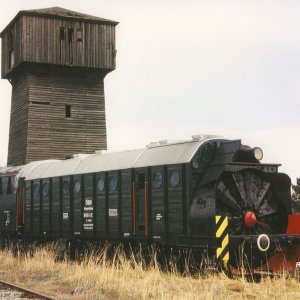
230, 68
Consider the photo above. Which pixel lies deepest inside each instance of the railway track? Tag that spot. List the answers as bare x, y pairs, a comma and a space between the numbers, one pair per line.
22, 292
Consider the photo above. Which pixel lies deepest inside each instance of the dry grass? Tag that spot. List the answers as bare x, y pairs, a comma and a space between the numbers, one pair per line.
98, 277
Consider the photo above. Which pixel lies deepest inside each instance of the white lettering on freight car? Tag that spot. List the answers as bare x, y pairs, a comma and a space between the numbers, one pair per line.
113, 212
88, 208
7, 212
88, 226
88, 202
88, 215
158, 217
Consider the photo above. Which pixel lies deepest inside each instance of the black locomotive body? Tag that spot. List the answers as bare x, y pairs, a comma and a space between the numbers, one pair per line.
207, 194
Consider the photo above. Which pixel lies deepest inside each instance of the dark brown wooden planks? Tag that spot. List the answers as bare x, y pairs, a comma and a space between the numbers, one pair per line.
37, 39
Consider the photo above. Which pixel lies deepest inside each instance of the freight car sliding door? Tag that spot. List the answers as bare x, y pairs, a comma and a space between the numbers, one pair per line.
126, 203
88, 206
45, 219
159, 203
141, 207
66, 190
113, 204
36, 208
28, 205
8, 204
175, 202
77, 205
101, 217
56, 210
21, 203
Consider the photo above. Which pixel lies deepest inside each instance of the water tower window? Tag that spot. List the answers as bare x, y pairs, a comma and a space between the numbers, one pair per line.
61, 42
62, 34
70, 41
70, 35
11, 58
68, 111
79, 35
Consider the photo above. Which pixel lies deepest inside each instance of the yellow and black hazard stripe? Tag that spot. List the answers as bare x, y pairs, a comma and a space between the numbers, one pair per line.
222, 237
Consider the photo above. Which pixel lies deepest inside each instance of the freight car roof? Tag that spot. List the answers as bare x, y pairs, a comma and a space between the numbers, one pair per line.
153, 155
10, 170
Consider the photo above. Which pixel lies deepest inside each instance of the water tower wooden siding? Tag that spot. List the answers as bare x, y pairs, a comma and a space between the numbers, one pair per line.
56, 61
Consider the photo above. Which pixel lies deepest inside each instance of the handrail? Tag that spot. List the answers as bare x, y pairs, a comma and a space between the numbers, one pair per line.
146, 206
134, 207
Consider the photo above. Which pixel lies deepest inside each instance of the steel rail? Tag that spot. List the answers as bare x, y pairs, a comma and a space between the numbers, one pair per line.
25, 291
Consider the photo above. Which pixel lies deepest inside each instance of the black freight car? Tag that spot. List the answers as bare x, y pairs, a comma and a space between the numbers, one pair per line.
207, 194
137, 194
8, 200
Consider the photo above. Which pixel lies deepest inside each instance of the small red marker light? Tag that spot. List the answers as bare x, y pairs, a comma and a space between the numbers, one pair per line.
250, 219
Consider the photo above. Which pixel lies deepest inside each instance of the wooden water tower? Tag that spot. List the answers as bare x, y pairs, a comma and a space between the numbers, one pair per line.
56, 61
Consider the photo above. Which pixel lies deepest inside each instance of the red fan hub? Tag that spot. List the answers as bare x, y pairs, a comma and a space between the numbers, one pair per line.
250, 219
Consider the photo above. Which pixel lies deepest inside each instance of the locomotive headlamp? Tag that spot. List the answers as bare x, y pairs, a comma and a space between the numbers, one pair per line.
263, 242
257, 153
248, 155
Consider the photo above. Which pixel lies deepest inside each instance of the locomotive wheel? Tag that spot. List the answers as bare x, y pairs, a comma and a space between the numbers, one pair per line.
248, 201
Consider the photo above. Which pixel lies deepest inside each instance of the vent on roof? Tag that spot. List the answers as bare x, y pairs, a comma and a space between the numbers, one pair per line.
80, 155
202, 137
153, 144
170, 142
164, 143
